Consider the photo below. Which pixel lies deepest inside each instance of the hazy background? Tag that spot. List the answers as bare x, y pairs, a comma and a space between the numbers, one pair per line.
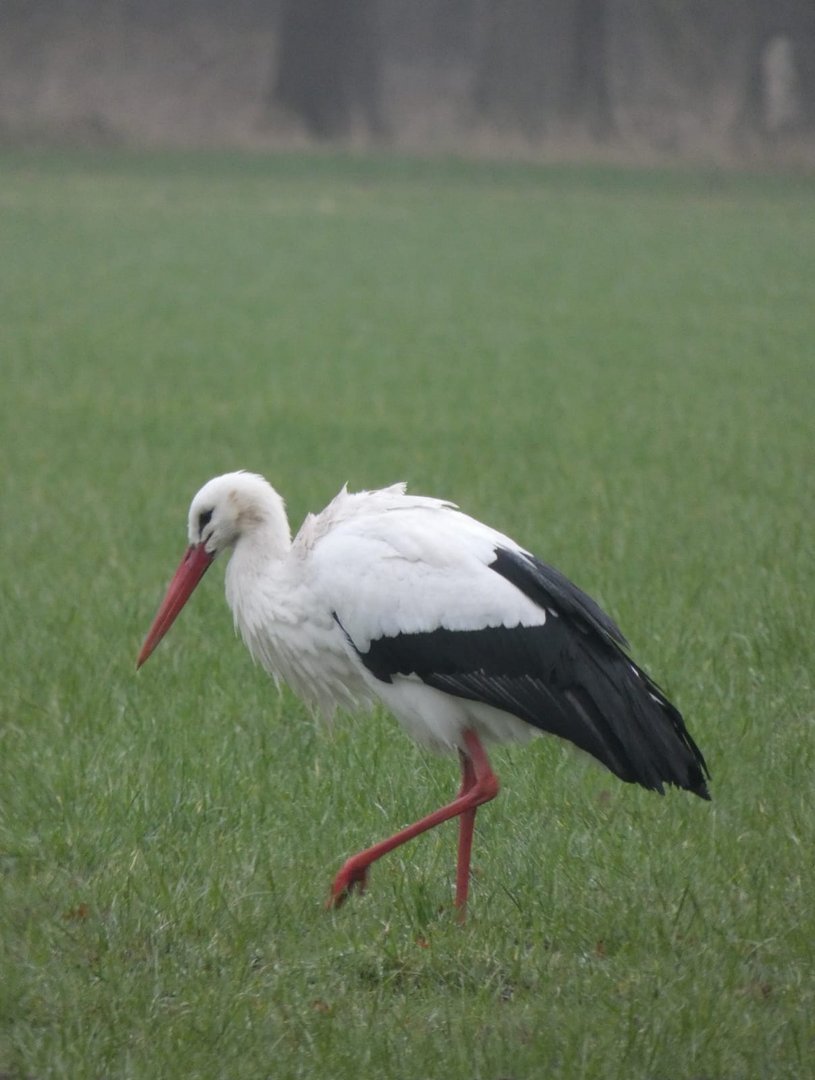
628, 79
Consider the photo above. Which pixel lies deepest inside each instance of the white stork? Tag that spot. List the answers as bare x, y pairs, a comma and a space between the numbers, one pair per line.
463, 635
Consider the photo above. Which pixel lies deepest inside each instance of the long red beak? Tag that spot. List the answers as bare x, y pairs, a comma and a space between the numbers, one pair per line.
195, 563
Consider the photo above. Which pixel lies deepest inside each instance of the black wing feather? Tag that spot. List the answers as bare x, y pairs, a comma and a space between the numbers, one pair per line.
569, 676
549, 588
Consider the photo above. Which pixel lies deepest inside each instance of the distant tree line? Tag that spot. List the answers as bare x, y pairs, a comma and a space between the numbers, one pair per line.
663, 71
543, 65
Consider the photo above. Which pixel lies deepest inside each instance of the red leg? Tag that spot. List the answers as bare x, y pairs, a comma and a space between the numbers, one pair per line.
467, 773
466, 826
479, 784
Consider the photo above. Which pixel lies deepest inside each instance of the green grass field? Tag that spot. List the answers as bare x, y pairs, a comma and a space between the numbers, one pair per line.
616, 367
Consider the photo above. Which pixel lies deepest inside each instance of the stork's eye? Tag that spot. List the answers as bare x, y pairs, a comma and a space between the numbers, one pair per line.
204, 519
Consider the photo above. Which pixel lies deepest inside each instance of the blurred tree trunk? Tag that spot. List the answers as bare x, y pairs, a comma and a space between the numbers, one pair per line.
803, 43
779, 61
544, 65
329, 60
807, 73
589, 94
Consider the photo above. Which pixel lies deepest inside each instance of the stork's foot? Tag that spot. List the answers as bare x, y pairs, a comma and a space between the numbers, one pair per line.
353, 875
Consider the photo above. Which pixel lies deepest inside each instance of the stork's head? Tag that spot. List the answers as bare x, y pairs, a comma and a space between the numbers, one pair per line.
226, 508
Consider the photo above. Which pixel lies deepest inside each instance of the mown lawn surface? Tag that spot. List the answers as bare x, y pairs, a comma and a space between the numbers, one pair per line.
616, 367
